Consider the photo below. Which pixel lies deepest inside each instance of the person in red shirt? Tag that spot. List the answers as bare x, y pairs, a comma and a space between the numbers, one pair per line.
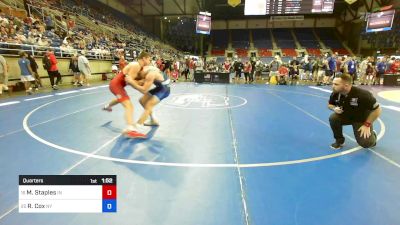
71, 24
227, 66
395, 66
175, 73
283, 74
192, 64
117, 86
159, 63
52, 71
246, 71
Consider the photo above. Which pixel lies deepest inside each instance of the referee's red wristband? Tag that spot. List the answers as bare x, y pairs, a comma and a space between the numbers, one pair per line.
367, 124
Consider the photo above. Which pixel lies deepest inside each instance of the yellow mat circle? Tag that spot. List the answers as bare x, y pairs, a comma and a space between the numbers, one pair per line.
390, 95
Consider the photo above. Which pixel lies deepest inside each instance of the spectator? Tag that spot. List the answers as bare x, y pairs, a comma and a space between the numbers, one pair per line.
71, 23
238, 65
283, 72
3, 75
253, 69
380, 70
199, 65
259, 68
294, 70
364, 78
396, 66
227, 66
352, 68
274, 67
26, 72
49, 21
50, 64
74, 68
246, 71
84, 68
34, 67
192, 64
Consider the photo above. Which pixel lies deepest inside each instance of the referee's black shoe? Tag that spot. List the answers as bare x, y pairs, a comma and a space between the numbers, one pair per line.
337, 145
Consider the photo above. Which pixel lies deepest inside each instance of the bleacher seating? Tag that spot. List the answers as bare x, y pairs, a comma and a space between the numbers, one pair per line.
104, 33
220, 39
241, 52
262, 39
314, 51
262, 52
284, 38
306, 38
341, 51
328, 37
218, 52
240, 39
289, 52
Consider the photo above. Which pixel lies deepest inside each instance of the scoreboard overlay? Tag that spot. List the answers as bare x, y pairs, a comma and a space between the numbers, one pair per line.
67, 193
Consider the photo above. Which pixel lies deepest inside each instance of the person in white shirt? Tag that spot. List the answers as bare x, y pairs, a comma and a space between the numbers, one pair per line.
364, 78
3, 75
84, 67
199, 65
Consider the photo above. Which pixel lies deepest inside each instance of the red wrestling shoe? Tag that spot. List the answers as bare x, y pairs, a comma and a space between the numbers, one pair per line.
134, 134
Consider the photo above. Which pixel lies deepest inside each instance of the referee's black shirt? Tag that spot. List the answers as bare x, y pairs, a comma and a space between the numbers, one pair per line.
357, 105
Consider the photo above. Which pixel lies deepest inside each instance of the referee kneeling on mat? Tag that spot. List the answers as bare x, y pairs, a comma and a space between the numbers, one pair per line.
352, 106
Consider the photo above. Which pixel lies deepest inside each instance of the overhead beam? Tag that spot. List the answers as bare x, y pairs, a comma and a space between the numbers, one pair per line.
179, 7
351, 11
379, 2
141, 7
367, 6
154, 7
198, 4
135, 10
371, 5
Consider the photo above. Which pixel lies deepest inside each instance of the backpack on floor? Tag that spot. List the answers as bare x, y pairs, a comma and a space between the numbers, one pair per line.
273, 80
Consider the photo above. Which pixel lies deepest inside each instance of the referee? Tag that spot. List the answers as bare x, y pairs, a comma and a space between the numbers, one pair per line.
352, 106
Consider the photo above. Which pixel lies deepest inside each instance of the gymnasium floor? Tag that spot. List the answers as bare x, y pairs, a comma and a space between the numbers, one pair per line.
224, 154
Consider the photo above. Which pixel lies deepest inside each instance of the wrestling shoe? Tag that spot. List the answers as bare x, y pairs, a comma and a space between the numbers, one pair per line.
134, 134
107, 108
337, 145
151, 122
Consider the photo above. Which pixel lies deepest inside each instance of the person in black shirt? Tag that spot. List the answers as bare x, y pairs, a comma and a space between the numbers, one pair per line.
294, 71
253, 68
238, 66
352, 106
34, 67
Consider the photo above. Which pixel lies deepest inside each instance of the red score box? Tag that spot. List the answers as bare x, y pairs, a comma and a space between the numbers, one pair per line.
109, 191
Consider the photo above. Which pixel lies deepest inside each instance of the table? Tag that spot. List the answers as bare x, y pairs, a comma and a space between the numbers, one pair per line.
211, 77
391, 79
